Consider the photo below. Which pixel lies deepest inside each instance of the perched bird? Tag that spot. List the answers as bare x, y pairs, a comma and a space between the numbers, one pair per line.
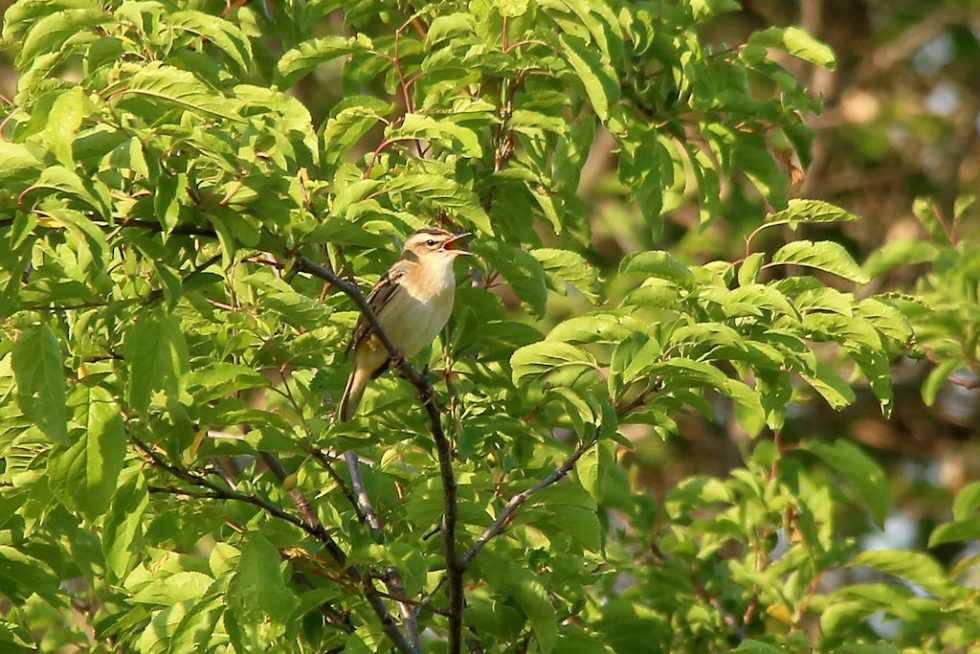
412, 301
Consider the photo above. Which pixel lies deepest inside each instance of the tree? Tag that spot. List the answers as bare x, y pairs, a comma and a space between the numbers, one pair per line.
184, 249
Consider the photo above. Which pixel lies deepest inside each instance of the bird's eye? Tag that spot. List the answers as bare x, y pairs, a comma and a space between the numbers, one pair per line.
430, 242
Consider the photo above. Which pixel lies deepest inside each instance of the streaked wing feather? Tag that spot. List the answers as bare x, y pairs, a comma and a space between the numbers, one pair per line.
379, 296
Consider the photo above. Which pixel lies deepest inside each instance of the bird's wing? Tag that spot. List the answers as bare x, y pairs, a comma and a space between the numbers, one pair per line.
379, 296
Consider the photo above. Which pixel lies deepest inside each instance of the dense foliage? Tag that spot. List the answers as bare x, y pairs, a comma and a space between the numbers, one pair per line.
178, 242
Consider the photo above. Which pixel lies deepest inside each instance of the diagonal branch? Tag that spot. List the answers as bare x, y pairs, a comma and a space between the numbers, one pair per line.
503, 518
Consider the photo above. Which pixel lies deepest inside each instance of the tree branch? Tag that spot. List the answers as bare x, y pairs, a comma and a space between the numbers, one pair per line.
500, 523
362, 499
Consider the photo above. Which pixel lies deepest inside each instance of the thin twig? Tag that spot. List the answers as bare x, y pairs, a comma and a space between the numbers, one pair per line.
500, 523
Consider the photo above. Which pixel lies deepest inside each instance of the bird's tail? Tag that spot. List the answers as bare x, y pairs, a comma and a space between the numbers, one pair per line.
359, 377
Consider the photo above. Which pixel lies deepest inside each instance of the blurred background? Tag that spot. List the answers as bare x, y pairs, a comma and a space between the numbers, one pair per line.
900, 122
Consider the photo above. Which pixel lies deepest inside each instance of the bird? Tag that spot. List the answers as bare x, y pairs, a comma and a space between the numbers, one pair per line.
413, 301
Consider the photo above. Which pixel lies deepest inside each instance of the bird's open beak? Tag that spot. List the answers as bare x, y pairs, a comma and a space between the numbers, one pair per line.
450, 244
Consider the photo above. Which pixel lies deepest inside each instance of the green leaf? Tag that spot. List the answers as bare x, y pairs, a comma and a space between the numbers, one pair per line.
750, 646
860, 470
48, 34
851, 332
633, 357
225, 35
546, 356
64, 120
748, 272
680, 373
568, 509
796, 42
156, 85
927, 212
122, 525
155, 350
91, 243
831, 386
886, 319
533, 599
824, 255
69, 184
801, 212
17, 163
861, 648
511, 8
85, 475
166, 199
595, 328
220, 378
956, 531
445, 193
936, 379
599, 80
967, 501
592, 468
22, 575
449, 26
455, 138
707, 8
764, 297
258, 591
297, 309
567, 267
197, 626
905, 252
178, 587
917, 567
40, 376
351, 119
751, 154
658, 264
521, 270
297, 62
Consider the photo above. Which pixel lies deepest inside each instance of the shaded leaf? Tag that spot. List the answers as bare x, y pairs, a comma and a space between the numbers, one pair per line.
297, 62
85, 475
155, 350
40, 377
598, 79
860, 470
917, 567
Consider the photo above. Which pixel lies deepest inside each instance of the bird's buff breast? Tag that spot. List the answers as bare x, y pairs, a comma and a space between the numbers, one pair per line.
416, 315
